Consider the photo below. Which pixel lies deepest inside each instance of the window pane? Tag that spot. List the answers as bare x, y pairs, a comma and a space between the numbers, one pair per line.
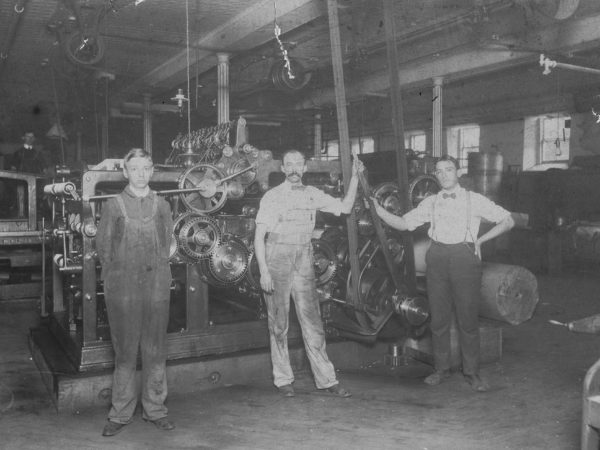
333, 150
555, 134
418, 142
367, 145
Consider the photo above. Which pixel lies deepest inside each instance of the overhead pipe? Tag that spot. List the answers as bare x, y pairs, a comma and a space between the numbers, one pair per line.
548, 64
13, 27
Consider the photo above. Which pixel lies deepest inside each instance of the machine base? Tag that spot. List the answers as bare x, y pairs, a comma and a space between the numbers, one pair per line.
490, 346
73, 391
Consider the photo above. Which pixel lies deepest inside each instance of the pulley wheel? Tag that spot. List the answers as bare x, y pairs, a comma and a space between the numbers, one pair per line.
211, 194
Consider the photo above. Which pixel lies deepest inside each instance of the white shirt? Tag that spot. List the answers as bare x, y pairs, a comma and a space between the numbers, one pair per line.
448, 216
286, 210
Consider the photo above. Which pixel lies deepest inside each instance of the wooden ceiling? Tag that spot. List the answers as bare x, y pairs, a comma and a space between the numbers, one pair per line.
157, 46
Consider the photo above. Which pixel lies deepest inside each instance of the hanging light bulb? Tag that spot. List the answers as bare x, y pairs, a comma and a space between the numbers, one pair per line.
180, 98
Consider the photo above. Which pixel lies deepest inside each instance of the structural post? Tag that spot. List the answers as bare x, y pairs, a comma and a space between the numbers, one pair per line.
398, 126
318, 136
437, 116
104, 134
344, 139
147, 123
223, 88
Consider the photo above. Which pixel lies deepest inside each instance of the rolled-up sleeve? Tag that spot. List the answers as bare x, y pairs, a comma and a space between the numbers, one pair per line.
420, 215
268, 211
325, 202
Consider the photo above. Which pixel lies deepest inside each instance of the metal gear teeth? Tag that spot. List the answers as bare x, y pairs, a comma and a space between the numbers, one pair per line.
228, 264
200, 243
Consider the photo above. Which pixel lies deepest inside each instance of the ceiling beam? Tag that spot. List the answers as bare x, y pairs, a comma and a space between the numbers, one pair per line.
244, 31
563, 37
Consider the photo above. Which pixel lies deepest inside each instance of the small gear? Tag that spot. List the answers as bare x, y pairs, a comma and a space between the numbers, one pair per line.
365, 224
324, 261
199, 236
246, 178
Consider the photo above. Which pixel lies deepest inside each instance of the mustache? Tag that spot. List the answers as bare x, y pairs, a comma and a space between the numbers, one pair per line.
294, 173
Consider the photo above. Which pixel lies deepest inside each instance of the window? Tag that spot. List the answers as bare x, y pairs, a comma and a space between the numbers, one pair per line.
555, 133
362, 145
415, 140
463, 140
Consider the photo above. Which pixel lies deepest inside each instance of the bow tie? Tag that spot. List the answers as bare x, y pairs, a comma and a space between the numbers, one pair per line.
28, 147
298, 188
453, 196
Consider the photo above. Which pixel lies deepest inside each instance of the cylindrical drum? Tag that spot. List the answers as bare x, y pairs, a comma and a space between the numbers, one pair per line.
508, 293
420, 246
485, 170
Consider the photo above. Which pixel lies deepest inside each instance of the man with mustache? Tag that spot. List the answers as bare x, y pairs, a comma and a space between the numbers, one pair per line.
286, 218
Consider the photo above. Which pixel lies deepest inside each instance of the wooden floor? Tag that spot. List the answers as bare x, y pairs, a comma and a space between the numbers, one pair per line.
535, 401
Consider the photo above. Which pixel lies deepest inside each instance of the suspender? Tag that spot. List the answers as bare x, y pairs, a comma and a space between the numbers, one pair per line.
121, 204
468, 227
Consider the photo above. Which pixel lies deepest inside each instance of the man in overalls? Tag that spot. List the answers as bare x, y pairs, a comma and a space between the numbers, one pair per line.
287, 214
453, 265
133, 240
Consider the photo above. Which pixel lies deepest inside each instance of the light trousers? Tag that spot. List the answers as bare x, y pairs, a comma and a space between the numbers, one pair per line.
292, 271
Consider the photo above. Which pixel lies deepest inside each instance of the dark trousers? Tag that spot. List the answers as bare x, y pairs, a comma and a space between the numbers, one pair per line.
138, 313
454, 285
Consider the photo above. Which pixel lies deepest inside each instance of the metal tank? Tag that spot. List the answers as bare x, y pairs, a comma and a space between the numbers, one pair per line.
485, 171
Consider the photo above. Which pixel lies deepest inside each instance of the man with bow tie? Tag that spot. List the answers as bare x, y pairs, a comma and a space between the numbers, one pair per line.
286, 218
26, 158
453, 265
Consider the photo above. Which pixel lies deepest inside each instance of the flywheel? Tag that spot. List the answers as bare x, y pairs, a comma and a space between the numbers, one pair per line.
388, 196
210, 191
421, 187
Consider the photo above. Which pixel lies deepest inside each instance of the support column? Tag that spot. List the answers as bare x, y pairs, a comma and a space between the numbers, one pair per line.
223, 88
147, 115
437, 116
318, 136
104, 134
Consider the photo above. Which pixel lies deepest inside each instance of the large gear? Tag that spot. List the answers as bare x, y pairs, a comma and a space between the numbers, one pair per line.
228, 263
211, 194
199, 236
324, 261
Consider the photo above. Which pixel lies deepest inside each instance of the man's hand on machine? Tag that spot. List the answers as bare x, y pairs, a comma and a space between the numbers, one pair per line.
357, 167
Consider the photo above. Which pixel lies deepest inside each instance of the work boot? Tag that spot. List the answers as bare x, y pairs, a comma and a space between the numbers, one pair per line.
287, 390
338, 390
477, 383
163, 424
437, 377
112, 428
